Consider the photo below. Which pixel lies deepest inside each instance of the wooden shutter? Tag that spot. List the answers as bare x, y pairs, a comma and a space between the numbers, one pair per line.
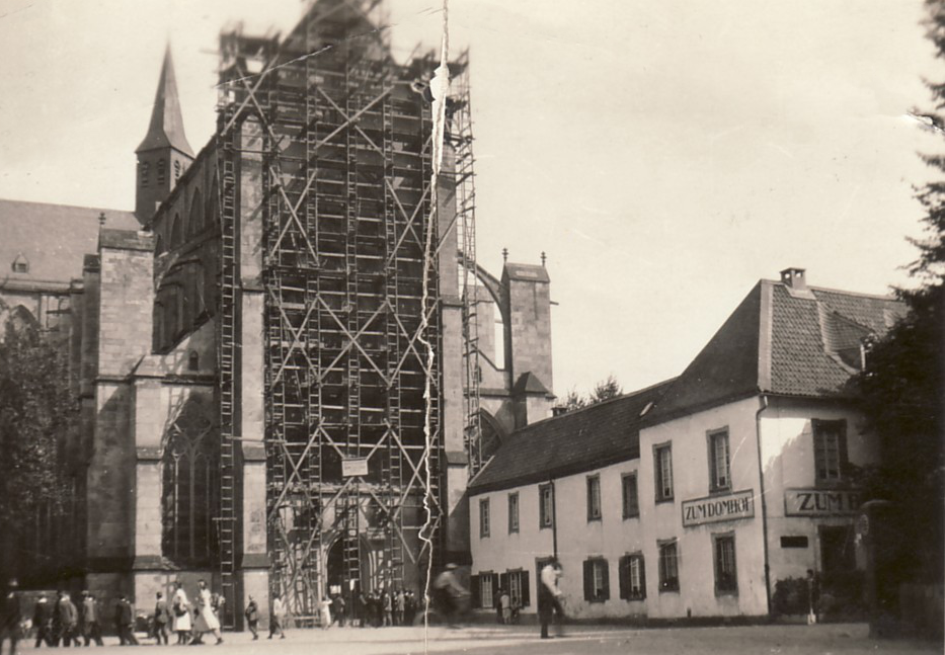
588, 580
495, 586
642, 578
474, 591
504, 583
526, 590
606, 576
623, 575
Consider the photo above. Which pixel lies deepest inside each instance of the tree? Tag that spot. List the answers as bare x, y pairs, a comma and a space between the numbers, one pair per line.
603, 390
900, 392
37, 411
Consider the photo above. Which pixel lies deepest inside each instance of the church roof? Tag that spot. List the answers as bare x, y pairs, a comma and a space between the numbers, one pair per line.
167, 124
53, 239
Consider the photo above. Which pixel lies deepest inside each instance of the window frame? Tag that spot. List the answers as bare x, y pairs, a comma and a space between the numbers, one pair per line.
819, 429
667, 583
592, 567
514, 520
626, 571
546, 515
627, 513
724, 588
712, 437
658, 473
484, 518
595, 511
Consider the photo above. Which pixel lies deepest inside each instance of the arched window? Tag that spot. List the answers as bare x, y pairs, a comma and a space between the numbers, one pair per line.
176, 232
161, 172
158, 244
189, 488
195, 222
193, 361
199, 289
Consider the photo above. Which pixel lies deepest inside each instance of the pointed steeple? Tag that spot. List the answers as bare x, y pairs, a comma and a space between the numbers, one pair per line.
167, 124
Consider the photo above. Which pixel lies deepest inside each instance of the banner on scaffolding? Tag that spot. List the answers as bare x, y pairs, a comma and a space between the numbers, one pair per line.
352, 466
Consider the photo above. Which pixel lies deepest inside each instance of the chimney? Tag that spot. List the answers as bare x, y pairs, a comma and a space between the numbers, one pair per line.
793, 278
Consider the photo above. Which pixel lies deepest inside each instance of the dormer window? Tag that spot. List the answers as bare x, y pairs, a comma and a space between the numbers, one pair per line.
20, 265
160, 171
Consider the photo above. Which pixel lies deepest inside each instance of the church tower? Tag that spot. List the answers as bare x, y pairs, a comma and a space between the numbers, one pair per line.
164, 154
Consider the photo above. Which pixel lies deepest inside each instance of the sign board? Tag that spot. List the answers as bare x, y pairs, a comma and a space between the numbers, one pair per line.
352, 466
727, 507
821, 502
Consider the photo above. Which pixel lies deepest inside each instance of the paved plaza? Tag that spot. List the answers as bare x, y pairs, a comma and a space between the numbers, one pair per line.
844, 639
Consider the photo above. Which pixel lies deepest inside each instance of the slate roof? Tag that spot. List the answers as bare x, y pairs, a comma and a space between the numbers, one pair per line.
580, 440
167, 125
53, 238
777, 341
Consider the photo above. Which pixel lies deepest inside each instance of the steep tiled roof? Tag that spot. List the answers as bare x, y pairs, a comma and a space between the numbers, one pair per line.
580, 440
53, 238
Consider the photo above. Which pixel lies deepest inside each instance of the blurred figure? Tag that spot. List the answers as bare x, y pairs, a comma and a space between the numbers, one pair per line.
91, 626
207, 620
11, 616
125, 618
549, 599
277, 617
252, 617
324, 612
338, 600
181, 608
42, 619
161, 619
68, 620
399, 606
448, 594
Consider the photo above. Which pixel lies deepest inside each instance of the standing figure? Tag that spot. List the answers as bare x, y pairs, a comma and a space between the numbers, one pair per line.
11, 615
91, 620
361, 609
42, 619
181, 608
252, 617
324, 612
388, 606
161, 619
207, 620
399, 601
68, 620
277, 617
505, 605
549, 599
410, 607
125, 616
340, 605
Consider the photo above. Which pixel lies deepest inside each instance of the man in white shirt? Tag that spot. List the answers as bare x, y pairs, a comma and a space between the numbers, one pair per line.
549, 599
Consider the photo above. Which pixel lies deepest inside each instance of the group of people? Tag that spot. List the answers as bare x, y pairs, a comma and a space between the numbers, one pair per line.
385, 608
506, 608
189, 620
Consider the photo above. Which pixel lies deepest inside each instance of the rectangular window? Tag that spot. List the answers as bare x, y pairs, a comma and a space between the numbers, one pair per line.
794, 542
830, 449
513, 513
631, 501
726, 581
669, 566
632, 577
486, 590
719, 474
484, 518
518, 588
596, 581
593, 498
546, 506
663, 466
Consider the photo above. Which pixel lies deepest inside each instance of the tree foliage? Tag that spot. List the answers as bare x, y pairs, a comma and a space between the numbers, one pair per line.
603, 390
901, 390
36, 410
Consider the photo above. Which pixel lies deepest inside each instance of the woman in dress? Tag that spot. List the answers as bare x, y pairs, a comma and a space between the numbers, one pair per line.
180, 608
207, 620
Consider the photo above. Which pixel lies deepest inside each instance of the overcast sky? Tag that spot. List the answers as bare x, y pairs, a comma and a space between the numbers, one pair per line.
666, 154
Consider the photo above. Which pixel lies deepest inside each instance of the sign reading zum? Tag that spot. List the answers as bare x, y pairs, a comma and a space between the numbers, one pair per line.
821, 502
353, 466
736, 505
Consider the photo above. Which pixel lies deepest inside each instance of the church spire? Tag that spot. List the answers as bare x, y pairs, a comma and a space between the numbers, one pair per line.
167, 124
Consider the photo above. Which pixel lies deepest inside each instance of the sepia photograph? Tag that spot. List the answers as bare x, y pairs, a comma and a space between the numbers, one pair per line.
465, 326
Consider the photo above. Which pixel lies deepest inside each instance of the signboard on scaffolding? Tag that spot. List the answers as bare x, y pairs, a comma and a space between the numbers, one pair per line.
352, 466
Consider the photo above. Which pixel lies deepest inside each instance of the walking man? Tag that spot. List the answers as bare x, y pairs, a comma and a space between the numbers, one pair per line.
11, 615
92, 630
252, 617
549, 599
126, 621
277, 617
42, 619
68, 620
161, 619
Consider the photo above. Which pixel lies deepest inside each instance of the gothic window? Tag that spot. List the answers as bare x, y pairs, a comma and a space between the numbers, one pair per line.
195, 222
189, 484
176, 232
160, 171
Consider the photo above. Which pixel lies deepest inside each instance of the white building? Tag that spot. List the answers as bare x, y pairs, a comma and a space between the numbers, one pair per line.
694, 497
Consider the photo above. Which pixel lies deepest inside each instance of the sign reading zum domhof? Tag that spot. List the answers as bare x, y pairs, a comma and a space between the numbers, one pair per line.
821, 502
728, 507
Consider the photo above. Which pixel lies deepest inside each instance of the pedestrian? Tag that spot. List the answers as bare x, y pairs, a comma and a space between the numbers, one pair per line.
11, 616
505, 604
68, 620
340, 605
410, 607
277, 617
374, 608
387, 604
161, 619
92, 628
125, 617
207, 620
181, 608
361, 609
549, 599
324, 612
497, 604
399, 602
448, 594
42, 619
252, 617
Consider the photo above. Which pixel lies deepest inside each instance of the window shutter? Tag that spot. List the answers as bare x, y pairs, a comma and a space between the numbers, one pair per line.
495, 583
503, 581
526, 590
588, 580
623, 575
642, 578
474, 591
606, 575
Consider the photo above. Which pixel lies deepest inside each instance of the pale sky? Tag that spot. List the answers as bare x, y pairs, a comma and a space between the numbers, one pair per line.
666, 154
